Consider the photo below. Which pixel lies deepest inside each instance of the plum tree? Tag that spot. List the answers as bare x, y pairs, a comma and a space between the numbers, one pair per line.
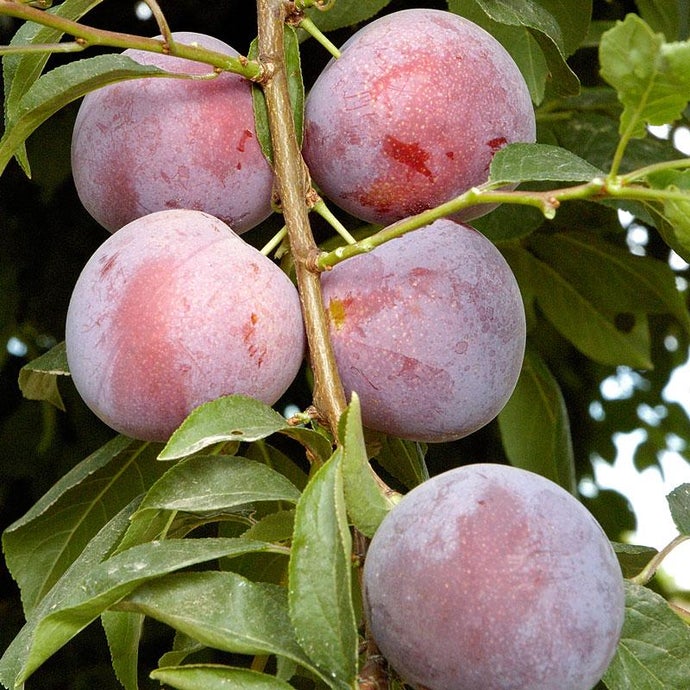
175, 310
148, 145
429, 330
488, 577
412, 113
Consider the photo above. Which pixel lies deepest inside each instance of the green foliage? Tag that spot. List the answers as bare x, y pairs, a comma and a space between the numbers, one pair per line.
653, 651
651, 77
320, 576
55, 89
534, 425
679, 502
539, 34
244, 533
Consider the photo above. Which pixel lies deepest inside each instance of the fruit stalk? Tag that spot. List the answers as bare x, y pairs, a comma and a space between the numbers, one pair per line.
293, 186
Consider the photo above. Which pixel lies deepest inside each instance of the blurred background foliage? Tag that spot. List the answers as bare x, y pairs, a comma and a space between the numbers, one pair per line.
46, 237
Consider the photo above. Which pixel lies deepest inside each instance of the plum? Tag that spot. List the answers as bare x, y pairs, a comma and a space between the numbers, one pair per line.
175, 310
412, 113
489, 577
152, 144
429, 330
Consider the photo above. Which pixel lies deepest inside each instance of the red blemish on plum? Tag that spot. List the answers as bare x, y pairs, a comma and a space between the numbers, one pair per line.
108, 263
255, 351
412, 155
450, 155
246, 134
496, 143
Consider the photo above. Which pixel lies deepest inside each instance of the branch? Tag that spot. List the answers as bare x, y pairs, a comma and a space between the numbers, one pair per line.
90, 36
294, 187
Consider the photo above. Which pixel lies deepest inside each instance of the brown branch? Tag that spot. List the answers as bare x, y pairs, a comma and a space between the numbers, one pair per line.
294, 187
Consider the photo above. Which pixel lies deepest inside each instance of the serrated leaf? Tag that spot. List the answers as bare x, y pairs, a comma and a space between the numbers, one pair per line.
633, 558
365, 498
534, 425
653, 651
40, 546
230, 418
679, 504
62, 85
652, 77
402, 459
295, 90
320, 577
590, 328
540, 162
38, 378
217, 483
93, 554
222, 610
115, 578
210, 677
345, 13
123, 631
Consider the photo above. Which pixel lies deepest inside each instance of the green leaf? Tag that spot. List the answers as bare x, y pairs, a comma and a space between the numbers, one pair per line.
633, 558
679, 503
653, 651
652, 77
317, 445
534, 425
662, 16
582, 320
320, 577
115, 578
230, 418
61, 86
265, 453
675, 213
539, 34
93, 554
20, 71
274, 527
345, 13
366, 500
540, 162
635, 284
211, 677
222, 610
38, 378
402, 459
295, 90
123, 631
217, 483
40, 546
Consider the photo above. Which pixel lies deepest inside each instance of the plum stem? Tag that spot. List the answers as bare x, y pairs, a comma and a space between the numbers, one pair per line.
322, 209
648, 572
316, 33
547, 202
294, 188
